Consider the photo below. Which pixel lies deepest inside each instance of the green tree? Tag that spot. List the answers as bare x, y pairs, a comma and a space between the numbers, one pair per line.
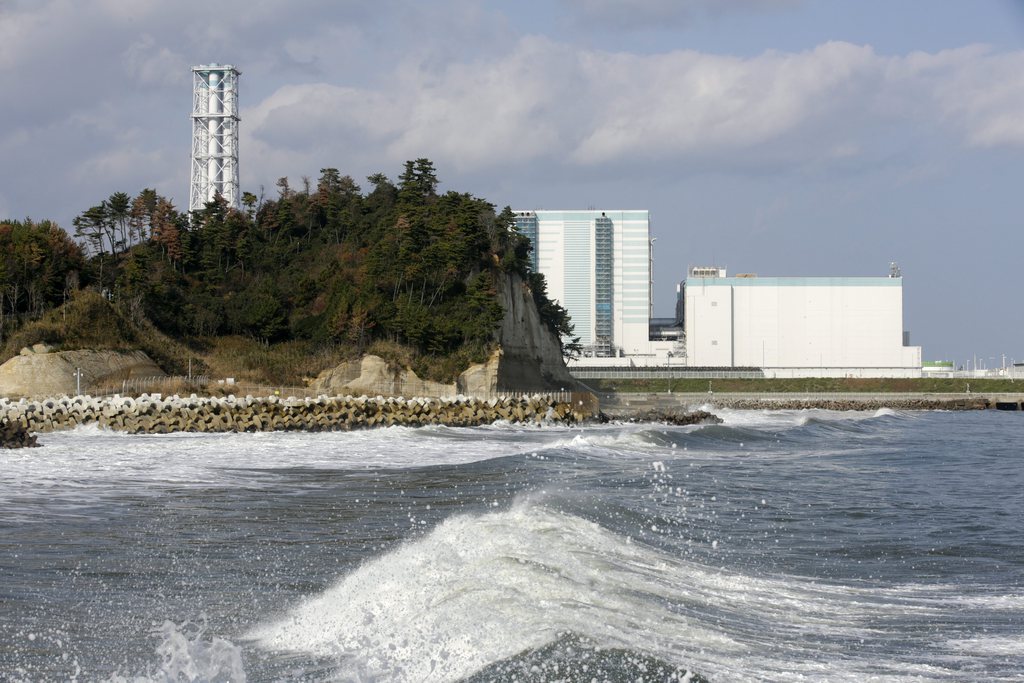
93, 226
119, 207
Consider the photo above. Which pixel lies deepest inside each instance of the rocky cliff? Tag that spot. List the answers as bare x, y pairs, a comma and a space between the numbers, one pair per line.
529, 358
372, 376
39, 372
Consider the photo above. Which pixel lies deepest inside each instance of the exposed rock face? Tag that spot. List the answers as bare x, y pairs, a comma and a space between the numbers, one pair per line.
481, 379
371, 375
53, 374
529, 359
531, 356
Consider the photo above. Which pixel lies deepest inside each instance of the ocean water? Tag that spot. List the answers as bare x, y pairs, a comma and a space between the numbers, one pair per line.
778, 546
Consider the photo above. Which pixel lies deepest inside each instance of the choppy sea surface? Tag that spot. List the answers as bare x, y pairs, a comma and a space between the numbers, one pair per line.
778, 546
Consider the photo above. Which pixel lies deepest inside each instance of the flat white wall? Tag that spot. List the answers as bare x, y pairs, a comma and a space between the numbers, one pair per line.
551, 258
709, 325
632, 267
845, 324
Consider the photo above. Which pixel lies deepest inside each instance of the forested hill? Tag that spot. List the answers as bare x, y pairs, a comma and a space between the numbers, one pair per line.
328, 263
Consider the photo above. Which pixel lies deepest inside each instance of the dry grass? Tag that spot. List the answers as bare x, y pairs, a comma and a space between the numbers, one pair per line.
293, 363
88, 321
444, 369
448, 368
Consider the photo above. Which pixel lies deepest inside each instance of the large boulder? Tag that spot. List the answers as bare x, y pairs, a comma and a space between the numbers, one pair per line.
372, 375
53, 374
14, 435
481, 379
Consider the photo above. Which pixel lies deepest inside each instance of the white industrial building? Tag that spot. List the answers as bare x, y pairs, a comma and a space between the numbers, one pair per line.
597, 264
798, 326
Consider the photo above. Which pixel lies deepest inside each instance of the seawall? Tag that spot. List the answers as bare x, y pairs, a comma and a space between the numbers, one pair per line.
155, 414
628, 404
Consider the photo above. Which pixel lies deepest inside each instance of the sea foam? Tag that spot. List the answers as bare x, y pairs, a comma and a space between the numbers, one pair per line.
484, 588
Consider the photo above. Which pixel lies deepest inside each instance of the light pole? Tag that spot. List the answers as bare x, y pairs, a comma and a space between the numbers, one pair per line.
78, 381
669, 356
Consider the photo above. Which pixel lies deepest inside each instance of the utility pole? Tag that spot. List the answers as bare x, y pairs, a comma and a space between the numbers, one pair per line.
669, 361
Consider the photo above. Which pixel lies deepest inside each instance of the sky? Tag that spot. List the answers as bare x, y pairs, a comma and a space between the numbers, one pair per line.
779, 137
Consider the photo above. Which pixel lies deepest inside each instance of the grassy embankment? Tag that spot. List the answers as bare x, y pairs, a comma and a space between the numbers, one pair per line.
808, 385
88, 321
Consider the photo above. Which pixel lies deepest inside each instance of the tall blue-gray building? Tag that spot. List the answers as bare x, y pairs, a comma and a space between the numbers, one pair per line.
598, 266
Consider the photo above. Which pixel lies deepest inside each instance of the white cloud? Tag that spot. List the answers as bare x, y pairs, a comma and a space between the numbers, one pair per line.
122, 166
129, 11
360, 86
659, 13
18, 27
547, 101
150, 64
470, 115
986, 95
686, 102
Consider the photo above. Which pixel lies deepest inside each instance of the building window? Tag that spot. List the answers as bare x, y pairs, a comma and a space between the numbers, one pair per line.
714, 342
714, 303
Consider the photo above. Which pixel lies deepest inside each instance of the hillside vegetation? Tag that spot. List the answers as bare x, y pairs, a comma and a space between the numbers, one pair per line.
280, 289
89, 321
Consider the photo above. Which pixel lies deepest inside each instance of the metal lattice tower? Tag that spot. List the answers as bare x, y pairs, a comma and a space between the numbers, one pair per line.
214, 135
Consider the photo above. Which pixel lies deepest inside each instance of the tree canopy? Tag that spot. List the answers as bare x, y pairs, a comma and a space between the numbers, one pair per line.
326, 262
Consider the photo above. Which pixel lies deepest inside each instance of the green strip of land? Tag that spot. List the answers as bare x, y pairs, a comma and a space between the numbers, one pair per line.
809, 384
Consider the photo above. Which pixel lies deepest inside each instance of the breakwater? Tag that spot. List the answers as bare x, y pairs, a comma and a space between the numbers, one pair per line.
804, 403
155, 414
632, 404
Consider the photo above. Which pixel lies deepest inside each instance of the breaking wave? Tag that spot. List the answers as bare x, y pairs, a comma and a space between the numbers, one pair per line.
483, 589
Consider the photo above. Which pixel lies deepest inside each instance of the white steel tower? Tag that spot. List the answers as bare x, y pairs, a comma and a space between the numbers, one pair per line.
214, 135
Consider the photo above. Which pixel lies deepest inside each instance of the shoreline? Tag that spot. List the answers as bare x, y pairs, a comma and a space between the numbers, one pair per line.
21, 420
638, 403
